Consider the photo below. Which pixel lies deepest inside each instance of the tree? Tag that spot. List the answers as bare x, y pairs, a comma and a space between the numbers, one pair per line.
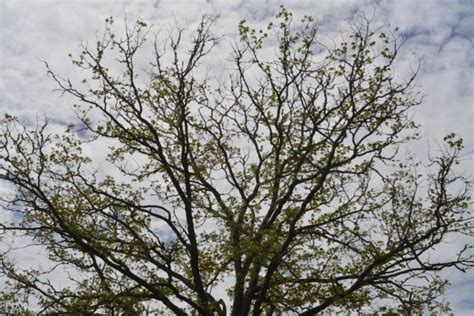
280, 189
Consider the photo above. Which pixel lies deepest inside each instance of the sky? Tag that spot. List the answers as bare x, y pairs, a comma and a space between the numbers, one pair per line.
439, 33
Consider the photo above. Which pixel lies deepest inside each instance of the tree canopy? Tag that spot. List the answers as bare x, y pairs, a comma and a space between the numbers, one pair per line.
278, 186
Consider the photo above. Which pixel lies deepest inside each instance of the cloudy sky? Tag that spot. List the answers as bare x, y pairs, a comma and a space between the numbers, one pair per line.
440, 33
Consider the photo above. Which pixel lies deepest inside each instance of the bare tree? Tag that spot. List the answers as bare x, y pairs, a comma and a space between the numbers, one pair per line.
281, 189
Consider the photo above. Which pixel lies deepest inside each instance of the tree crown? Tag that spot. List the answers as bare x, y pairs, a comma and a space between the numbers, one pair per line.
280, 189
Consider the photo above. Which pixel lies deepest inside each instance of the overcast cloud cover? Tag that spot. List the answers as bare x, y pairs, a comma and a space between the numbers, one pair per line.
438, 32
